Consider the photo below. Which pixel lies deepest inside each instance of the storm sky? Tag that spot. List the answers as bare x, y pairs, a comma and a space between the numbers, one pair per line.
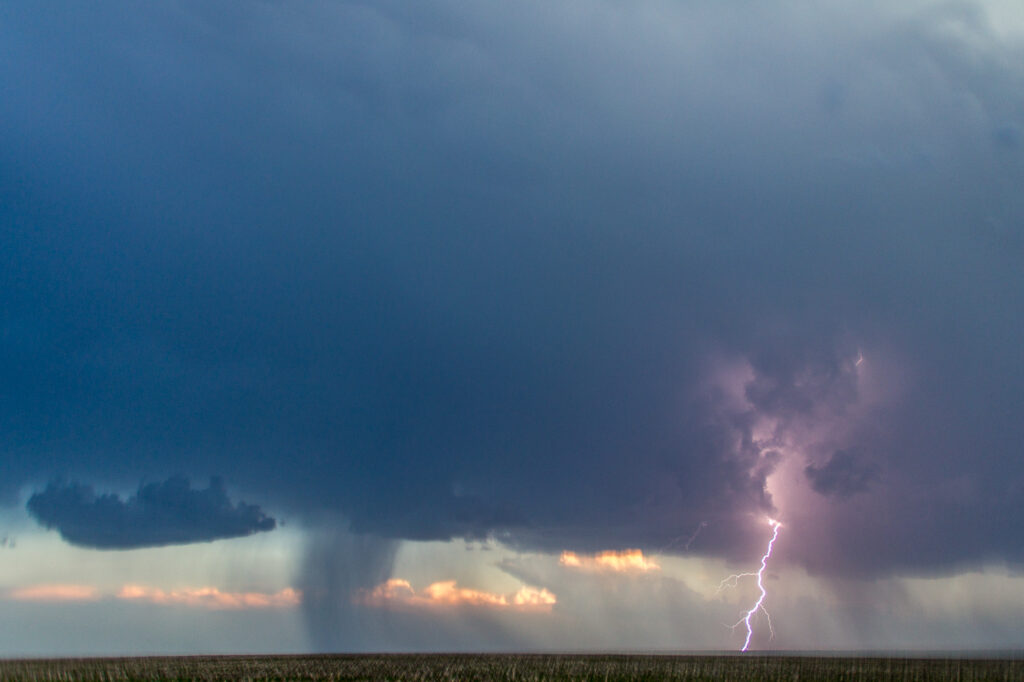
356, 299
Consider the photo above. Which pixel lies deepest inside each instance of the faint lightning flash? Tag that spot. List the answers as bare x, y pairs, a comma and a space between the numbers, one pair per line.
732, 580
686, 546
703, 524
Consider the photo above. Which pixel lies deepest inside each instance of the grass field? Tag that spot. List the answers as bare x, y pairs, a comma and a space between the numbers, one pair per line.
512, 667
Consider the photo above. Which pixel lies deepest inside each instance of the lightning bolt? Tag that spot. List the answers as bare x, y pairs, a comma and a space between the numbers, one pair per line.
693, 536
732, 581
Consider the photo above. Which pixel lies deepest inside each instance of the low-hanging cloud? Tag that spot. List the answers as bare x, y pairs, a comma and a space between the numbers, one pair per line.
167, 513
626, 561
209, 597
399, 593
55, 593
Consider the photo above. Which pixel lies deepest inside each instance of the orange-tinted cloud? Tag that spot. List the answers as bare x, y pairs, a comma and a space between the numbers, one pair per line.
211, 597
532, 596
55, 593
626, 561
446, 593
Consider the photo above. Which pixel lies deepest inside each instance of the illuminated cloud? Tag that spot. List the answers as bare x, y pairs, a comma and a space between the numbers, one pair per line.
202, 597
532, 596
211, 597
55, 593
394, 589
446, 593
626, 561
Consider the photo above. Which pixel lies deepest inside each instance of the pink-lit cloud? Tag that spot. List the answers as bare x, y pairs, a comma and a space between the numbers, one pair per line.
55, 593
211, 597
626, 561
446, 593
201, 597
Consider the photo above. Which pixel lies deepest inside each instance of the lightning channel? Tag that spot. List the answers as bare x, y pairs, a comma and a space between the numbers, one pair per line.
734, 579
689, 541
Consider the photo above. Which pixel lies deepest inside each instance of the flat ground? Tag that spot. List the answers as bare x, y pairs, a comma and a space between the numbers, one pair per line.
512, 667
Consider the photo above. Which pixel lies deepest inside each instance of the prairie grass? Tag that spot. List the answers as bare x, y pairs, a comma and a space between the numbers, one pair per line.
509, 667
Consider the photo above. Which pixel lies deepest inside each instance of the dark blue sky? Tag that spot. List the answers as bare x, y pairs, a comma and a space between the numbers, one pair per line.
576, 277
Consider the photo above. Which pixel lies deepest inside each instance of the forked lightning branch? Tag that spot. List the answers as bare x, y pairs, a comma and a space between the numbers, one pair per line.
734, 579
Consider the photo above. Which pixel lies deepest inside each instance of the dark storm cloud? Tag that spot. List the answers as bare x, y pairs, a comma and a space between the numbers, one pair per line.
448, 269
168, 513
845, 473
